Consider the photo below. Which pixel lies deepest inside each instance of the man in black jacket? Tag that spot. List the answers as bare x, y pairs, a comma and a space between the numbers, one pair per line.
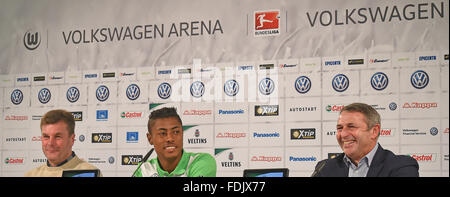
358, 129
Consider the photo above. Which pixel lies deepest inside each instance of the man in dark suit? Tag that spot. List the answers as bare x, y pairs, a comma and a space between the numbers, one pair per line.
358, 129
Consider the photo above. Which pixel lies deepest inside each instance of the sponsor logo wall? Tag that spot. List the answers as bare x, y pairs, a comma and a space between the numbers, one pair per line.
272, 113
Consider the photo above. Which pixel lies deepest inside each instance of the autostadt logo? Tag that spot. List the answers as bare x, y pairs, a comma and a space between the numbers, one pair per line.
16, 97
31, 40
102, 93
44, 95
302, 84
266, 86
340, 83
419, 79
197, 89
73, 94
231, 87
164, 90
133, 92
379, 81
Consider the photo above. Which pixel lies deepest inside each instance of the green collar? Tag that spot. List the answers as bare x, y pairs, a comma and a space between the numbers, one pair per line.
179, 170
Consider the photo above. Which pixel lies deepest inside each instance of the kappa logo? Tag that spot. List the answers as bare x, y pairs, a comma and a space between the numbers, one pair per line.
419, 79
16, 97
133, 92
44, 95
340, 83
231, 87
197, 89
266, 86
31, 41
302, 84
164, 90
73, 94
379, 81
102, 93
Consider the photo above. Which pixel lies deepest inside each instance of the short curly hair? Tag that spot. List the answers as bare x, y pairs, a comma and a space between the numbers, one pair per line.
166, 112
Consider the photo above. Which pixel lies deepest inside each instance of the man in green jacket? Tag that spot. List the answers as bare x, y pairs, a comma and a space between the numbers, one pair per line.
165, 133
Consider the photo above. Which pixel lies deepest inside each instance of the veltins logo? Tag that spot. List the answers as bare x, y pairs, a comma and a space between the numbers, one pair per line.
379, 81
16, 97
31, 40
419, 79
267, 23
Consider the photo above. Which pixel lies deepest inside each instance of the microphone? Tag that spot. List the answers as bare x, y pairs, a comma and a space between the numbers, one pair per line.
144, 160
319, 168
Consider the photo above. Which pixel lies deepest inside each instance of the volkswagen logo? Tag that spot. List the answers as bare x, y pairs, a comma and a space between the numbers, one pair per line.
102, 93
302, 84
340, 83
393, 106
231, 87
379, 81
197, 89
31, 41
419, 79
133, 92
73, 94
44, 95
164, 90
16, 97
266, 86
434, 131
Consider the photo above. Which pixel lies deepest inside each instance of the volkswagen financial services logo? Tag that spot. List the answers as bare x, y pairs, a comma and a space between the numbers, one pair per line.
266, 86
31, 41
419, 79
164, 90
102, 93
231, 87
44, 95
16, 97
133, 92
340, 83
73, 94
379, 81
197, 89
302, 84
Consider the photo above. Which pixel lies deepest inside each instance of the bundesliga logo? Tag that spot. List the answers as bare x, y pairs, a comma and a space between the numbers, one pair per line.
267, 23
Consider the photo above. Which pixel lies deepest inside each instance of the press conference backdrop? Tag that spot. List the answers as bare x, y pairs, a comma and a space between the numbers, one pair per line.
258, 83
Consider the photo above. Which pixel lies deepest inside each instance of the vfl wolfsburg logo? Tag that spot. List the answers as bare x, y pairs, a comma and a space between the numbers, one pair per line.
266, 86
44, 95
16, 97
164, 90
340, 83
379, 81
197, 89
302, 84
102, 93
73, 94
419, 79
231, 87
133, 92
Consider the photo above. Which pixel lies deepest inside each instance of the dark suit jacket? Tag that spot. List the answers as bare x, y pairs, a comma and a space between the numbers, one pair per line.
384, 164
